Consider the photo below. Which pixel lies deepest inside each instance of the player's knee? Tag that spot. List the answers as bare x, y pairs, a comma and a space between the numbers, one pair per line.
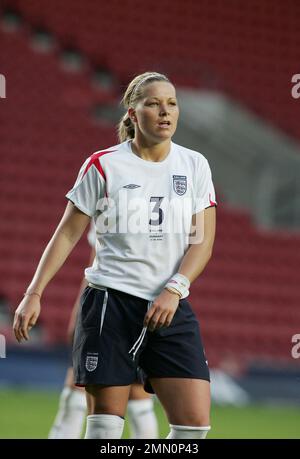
188, 432
190, 419
103, 408
202, 421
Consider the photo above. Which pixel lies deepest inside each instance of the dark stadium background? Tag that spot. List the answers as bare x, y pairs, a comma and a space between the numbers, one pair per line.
66, 64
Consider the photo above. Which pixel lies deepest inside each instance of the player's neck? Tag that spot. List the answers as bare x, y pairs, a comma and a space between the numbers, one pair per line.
150, 151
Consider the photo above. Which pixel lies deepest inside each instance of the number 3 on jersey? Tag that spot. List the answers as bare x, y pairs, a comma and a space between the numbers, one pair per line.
155, 209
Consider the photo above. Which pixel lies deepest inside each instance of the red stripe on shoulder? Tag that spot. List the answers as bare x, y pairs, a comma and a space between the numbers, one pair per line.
95, 160
212, 203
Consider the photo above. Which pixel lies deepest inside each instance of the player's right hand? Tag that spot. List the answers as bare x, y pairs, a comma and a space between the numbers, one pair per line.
26, 316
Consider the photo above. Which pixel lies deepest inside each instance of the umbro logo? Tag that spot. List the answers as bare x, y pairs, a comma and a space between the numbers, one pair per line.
131, 186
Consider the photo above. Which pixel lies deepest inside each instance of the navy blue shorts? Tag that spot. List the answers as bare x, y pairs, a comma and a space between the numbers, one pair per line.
111, 346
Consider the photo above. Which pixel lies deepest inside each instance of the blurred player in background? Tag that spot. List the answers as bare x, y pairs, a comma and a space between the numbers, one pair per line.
71, 413
153, 204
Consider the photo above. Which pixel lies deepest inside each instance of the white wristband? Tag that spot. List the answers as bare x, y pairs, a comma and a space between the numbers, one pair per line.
180, 283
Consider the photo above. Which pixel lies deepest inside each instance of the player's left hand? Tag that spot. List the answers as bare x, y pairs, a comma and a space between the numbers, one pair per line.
162, 310
26, 316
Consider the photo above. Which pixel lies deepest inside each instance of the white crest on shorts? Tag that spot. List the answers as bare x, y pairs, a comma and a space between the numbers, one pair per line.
91, 362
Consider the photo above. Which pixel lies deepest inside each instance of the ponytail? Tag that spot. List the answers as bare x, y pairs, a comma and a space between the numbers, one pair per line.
125, 128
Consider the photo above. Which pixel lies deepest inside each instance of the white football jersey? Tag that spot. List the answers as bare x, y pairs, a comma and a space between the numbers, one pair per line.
142, 213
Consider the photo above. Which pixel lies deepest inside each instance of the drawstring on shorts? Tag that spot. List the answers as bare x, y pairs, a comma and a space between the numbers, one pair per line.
140, 339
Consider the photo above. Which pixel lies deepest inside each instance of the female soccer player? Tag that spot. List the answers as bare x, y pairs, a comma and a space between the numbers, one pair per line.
153, 205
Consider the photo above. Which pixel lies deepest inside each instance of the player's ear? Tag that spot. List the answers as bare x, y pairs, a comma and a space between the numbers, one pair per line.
131, 114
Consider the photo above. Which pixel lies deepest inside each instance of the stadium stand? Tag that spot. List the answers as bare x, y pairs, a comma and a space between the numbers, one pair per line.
256, 69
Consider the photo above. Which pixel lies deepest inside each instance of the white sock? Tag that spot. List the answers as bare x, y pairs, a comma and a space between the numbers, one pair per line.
104, 426
70, 416
143, 423
181, 432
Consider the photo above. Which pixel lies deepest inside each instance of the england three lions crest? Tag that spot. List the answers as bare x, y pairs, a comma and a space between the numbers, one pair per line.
180, 184
91, 362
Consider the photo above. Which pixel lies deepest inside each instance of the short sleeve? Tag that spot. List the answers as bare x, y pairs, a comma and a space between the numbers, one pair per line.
89, 187
205, 193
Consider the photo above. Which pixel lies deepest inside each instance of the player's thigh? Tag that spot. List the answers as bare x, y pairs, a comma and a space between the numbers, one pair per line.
186, 401
107, 399
137, 392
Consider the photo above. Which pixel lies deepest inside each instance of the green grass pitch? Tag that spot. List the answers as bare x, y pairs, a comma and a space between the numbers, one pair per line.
29, 414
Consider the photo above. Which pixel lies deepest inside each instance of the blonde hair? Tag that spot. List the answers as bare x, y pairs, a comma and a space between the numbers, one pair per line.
131, 96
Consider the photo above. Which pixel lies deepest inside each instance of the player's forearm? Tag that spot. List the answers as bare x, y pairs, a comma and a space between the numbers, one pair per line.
66, 236
195, 260
54, 256
201, 244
